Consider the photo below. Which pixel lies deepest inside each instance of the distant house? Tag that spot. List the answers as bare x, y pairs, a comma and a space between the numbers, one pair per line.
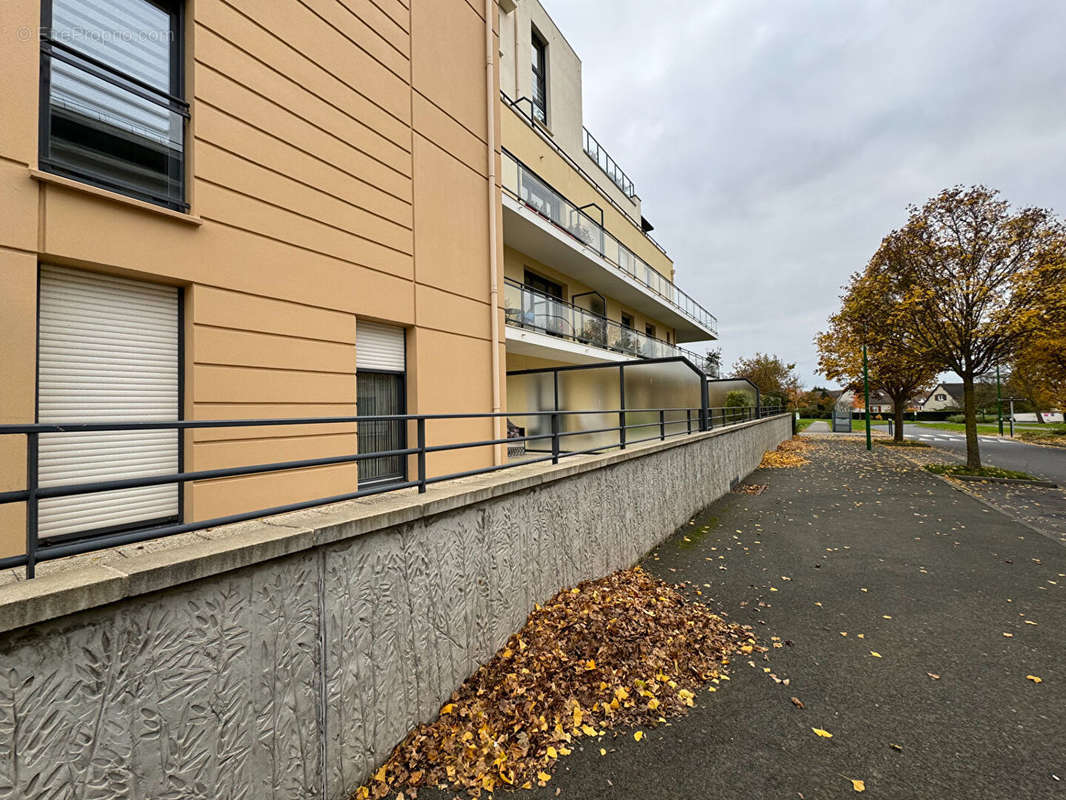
944, 396
880, 403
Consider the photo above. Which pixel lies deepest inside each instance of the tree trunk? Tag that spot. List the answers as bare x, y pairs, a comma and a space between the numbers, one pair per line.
1039, 414
973, 454
897, 409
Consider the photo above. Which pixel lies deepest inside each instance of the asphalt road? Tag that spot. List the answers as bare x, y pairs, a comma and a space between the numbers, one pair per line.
929, 578
1048, 463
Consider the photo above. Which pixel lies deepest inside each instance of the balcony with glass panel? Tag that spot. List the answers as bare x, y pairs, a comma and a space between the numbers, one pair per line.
542, 223
545, 326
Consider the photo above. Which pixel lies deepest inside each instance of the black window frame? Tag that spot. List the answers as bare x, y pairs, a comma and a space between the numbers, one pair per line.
627, 321
545, 286
174, 101
399, 426
540, 76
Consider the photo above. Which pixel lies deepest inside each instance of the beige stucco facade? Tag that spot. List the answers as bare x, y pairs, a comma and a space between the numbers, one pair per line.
337, 169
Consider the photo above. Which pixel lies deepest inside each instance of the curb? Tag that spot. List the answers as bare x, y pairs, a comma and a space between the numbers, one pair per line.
1013, 481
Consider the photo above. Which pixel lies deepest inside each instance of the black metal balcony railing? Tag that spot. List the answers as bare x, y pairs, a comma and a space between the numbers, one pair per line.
663, 423
519, 107
528, 308
528, 188
604, 161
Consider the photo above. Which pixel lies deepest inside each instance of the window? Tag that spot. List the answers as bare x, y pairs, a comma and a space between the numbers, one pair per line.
540, 79
543, 285
108, 351
650, 330
941, 397
627, 321
381, 364
112, 111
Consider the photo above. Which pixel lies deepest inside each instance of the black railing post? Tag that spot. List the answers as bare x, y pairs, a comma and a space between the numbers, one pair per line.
621, 408
31, 503
555, 438
688, 420
421, 434
662, 424
706, 423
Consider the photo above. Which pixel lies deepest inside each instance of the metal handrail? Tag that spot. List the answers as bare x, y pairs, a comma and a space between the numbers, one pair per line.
542, 312
595, 151
696, 419
540, 197
515, 105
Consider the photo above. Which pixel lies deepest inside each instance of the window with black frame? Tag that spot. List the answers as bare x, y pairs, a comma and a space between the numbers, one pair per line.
540, 79
381, 394
113, 112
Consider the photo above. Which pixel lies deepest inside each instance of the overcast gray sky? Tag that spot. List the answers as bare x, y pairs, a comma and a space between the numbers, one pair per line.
774, 143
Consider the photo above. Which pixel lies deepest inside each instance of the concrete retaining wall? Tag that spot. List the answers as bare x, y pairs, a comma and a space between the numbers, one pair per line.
285, 659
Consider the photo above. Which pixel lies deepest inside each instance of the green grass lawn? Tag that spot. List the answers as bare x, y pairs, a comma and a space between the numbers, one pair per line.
803, 424
1054, 434
983, 472
876, 424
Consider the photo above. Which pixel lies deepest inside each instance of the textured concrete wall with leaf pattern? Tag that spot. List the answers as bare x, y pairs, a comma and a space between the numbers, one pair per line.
294, 678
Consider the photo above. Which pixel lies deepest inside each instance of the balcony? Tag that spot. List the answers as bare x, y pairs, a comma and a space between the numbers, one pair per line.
604, 161
532, 310
578, 244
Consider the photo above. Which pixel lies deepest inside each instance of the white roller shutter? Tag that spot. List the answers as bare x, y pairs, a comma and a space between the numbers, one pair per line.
379, 347
107, 352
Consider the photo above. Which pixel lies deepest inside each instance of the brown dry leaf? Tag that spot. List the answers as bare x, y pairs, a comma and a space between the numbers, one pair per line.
933, 675
624, 651
797, 702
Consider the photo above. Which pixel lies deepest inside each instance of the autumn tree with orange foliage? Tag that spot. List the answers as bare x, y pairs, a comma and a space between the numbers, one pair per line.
976, 280
777, 380
866, 316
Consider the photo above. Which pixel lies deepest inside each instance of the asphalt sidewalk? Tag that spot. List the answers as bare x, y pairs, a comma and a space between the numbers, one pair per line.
874, 576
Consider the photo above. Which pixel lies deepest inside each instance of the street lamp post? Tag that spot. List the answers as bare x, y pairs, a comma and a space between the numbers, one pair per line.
866, 392
999, 402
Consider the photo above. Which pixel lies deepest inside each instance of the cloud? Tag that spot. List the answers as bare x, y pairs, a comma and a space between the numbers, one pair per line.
773, 144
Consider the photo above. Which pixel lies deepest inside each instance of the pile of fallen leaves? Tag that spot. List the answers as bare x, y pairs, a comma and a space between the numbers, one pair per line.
786, 455
624, 650
749, 488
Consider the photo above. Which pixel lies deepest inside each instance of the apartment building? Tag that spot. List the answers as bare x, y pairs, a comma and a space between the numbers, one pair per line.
242, 210
228, 210
584, 281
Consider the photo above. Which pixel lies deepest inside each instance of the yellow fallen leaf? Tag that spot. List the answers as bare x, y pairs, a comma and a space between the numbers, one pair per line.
380, 774
552, 752
1034, 679
448, 709
1009, 635
858, 786
823, 733
885, 616
638, 735
588, 730
543, 776
362, 794
603, 752
875, 654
